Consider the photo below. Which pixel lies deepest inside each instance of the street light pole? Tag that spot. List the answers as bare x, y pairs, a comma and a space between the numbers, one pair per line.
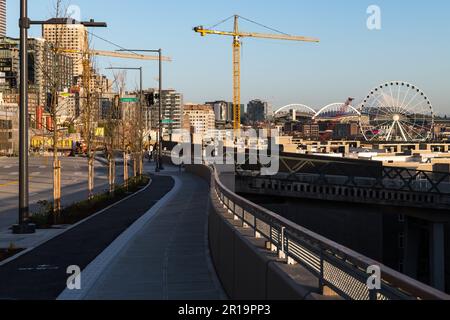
141, 127
23, 227
160, 59
141, 107
160, 164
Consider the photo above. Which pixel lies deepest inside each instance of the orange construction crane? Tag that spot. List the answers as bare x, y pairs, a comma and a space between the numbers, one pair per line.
237, 36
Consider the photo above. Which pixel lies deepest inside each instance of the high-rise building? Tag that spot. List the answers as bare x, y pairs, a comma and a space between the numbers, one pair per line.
257, 110
41, 72
171, 112
73, 38
199, 119
2, 18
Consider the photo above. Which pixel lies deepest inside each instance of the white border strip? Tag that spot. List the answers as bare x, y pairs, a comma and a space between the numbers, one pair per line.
73, 226
96, 268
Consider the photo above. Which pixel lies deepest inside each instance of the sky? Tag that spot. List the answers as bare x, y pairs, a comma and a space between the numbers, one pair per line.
413, 45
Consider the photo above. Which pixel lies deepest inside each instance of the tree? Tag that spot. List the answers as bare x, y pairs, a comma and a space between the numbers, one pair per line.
53, 68
89, 115
111, 125
137, 137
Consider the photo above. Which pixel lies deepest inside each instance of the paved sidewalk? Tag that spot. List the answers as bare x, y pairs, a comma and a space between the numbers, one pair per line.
73, 187
41, 273
169, 258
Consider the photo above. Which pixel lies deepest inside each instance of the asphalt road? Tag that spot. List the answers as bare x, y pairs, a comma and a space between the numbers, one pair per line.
41, 273
73, 183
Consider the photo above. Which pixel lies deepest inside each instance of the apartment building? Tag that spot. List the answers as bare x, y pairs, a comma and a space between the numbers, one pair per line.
199, 119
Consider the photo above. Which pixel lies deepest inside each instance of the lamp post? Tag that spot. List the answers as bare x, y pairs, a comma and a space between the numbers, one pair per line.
141, 94
160, 59
23, 227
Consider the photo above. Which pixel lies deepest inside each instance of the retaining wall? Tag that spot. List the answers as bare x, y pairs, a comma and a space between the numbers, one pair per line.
247, 270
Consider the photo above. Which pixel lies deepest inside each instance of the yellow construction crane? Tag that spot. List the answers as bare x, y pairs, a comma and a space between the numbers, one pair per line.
237, 36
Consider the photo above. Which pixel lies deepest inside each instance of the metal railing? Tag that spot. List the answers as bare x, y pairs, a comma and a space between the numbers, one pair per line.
349, 172
336, 267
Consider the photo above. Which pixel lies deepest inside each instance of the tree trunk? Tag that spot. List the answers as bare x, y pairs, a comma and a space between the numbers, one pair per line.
141, 164
56, 174
56, 188
135, 164
91, 177
125, 169
112, 174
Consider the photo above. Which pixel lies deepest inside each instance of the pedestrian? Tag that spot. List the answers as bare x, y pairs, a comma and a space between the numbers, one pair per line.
150, 153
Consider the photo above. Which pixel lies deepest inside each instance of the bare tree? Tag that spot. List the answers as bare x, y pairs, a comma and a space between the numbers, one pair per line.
124, 125
52, 69
137, 137
111, 124
89, 115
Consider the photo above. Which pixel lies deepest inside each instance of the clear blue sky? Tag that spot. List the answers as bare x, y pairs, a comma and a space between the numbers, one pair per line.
413, 46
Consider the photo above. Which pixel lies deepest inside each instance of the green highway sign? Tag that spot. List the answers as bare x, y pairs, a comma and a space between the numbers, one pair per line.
129, 99
167, 121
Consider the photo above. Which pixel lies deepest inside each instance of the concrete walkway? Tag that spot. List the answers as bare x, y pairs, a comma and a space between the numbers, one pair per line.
168, 259
42, 272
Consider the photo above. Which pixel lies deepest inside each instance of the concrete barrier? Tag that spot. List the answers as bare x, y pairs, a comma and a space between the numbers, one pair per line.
247, 270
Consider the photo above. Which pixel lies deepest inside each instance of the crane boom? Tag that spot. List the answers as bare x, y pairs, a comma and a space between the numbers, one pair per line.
237, 36
126, 55
115, 54
205, 32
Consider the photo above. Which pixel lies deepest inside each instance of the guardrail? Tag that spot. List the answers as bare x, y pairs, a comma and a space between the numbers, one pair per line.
349, 171
338, 268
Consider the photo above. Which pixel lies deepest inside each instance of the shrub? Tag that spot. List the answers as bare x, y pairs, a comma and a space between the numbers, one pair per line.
76, 212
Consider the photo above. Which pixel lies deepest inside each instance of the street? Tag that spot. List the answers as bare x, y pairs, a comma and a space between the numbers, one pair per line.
73, 184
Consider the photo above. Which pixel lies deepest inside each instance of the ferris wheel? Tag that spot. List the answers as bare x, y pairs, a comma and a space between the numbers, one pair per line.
396, 111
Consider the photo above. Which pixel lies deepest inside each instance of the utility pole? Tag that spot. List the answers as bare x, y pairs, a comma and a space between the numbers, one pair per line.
141, 126
23, 227
160, 59
141, 130
161, 167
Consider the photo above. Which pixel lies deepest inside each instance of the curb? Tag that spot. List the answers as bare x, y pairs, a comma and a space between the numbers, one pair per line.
92, 273
4, 262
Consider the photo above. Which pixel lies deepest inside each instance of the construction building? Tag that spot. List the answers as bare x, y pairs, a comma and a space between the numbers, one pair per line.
71, 38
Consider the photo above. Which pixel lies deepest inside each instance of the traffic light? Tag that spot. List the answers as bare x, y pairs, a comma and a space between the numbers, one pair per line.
150, 98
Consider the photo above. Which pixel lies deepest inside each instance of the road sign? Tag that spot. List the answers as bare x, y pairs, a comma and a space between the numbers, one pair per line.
167, 121
129, 100
100, 132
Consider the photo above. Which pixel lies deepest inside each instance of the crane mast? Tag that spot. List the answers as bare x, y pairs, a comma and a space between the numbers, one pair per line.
237, 38
236, 76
